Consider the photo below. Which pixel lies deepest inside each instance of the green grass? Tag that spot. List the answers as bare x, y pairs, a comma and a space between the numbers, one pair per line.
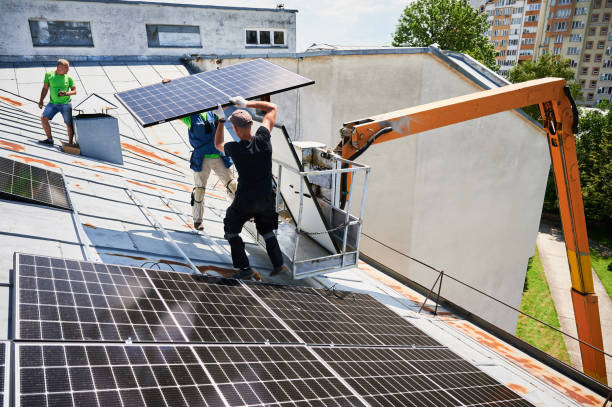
603, 268
602, 265
537, 302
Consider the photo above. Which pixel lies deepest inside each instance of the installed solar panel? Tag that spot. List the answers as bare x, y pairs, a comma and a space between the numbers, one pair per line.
111, 375
319, 317
217, 310
417, 377
197, 93
59, 299
5, 363
23, 182
273, 376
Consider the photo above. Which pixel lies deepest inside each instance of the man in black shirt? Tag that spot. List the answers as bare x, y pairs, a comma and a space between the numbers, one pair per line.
252, 156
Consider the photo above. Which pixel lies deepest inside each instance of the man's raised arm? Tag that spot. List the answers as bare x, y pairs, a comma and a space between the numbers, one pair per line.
270, 108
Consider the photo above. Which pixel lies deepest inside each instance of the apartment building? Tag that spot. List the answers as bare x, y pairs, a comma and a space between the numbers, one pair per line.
575, 29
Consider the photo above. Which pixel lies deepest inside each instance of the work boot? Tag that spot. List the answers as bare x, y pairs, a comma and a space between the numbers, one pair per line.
198, 225
48, 141
278, 270
245, 273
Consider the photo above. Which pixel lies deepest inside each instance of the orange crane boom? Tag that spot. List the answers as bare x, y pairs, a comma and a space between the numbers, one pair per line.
559, 120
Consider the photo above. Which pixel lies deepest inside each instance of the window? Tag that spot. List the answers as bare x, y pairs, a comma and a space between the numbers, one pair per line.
595, 71
580, 11
533, 7
606, 17
600, 44
560, 26
528, 41
582, 84
529, 30
573, 63
563, 13
606, 77
531, 19
593, 84
575, 38
502, 43
590, 96
501, 53
589, 45
597, 4
562, 2
173, 36
556, 51
591, 31
268, 38
513, 42
587, 58
516, 20
577, 24
61, 33
504, 33
603, 31
598, 58
519, 10
584, 71
594, 18
573, 51
558, 39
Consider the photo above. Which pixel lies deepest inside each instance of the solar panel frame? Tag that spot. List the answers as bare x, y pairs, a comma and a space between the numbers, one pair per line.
285, 375
320, 317
5, 368
236, 314
111, 374
75, 295
416, 376
210, 83
27, 183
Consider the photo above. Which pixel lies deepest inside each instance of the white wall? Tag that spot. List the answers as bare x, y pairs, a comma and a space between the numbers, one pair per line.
119, 28
465, 198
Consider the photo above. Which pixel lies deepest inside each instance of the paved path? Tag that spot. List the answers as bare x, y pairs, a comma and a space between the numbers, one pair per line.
554, 260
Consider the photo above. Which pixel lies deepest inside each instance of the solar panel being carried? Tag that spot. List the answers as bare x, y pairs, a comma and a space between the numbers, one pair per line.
26, 183
160, 102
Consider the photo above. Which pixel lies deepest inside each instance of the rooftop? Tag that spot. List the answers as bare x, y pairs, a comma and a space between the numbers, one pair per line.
117, 210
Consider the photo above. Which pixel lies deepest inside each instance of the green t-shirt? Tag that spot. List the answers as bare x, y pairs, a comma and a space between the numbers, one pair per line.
56, 83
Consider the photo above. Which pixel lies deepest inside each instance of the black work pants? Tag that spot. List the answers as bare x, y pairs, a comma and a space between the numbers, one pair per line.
263, 209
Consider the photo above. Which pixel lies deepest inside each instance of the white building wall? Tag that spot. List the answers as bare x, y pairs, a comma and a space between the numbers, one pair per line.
466, 198
120, 28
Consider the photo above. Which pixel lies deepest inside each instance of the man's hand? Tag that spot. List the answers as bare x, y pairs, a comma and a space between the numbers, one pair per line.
219, 112
40, 104
62, 93
238, 101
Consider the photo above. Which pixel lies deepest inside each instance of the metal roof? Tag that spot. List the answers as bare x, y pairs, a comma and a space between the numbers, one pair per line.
120, 231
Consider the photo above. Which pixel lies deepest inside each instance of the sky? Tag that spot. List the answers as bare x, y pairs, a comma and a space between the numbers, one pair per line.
336, 22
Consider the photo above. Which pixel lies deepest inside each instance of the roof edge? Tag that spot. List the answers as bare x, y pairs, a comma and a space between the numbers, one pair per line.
203, 6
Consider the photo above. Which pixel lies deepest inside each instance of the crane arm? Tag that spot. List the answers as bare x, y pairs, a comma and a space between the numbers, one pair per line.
559, 120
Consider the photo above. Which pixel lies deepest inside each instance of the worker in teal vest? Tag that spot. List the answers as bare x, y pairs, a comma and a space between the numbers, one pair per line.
204, 158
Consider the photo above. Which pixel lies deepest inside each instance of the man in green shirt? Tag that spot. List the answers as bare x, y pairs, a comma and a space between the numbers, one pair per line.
60, 87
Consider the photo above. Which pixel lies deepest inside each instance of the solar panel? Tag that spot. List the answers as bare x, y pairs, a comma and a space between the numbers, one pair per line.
59, 299
417, 377
26, 183
318, 317
210, 309
273, 376
111, 375
5, 363
159, 103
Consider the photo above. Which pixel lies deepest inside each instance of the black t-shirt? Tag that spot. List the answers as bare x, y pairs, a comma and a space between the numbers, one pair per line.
253, 160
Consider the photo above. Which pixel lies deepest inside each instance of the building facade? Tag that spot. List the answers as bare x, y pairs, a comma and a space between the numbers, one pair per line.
108, 28
574, 29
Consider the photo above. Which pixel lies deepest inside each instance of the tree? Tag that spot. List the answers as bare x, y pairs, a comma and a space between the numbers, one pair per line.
545, 66
452, 24
594, 150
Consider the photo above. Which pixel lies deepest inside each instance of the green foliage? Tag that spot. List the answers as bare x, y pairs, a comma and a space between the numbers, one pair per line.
452, 24
537, 302
594, 150
545, 66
